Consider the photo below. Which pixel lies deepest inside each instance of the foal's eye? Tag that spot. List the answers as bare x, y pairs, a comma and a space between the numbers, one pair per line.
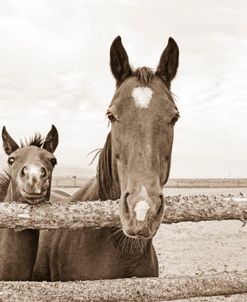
53, 162
111, 117
11, 160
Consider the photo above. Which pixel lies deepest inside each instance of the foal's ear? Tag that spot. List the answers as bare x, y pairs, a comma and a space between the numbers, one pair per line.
168, 64
119, 61
51, 140
9, 145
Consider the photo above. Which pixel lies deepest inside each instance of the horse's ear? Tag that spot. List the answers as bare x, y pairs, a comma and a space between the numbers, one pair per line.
119, 61
9, 145
168, 64
51, 140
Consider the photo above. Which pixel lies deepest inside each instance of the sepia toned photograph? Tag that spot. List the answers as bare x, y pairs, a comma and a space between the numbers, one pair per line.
123, 151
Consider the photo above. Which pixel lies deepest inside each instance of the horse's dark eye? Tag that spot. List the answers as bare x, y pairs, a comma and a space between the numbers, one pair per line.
174, 120
11, 160
111, 117
53, 162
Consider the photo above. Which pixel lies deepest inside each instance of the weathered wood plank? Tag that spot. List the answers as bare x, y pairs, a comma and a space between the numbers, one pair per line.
105, 213
134, 289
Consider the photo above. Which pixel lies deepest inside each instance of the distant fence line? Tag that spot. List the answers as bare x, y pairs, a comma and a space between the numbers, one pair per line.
172, 183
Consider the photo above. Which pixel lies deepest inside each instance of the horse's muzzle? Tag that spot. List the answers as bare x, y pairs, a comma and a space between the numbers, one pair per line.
140, 216
32, 198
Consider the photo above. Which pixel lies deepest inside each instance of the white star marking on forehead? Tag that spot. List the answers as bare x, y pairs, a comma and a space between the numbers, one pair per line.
142, 96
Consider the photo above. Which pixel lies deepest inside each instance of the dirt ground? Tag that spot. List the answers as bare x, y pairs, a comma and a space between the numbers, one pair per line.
204, 247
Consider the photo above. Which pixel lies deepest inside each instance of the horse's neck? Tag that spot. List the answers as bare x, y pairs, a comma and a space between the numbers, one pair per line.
4, 187
99, 187
8, 194
12, 194
3, 194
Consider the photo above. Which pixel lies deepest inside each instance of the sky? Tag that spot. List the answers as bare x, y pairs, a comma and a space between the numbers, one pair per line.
54, 69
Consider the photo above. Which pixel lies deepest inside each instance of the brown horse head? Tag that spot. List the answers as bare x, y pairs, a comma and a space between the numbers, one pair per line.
143, 115
31, 166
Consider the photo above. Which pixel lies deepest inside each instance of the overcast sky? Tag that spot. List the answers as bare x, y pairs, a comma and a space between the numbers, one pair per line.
54, 68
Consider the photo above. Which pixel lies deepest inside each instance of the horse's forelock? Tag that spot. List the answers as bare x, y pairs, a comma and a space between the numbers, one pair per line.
37, 140
144, 74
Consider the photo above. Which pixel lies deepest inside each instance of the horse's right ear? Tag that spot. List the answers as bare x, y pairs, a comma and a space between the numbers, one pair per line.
119, 61
9, 145
51, 140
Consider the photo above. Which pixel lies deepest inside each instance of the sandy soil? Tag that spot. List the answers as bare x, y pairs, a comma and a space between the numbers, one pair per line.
204, 247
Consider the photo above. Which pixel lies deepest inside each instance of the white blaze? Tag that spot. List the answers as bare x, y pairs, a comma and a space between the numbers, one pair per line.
141, 209
142, 96
142, 206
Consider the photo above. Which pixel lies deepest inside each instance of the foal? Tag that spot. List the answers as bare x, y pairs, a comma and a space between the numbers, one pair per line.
28, 180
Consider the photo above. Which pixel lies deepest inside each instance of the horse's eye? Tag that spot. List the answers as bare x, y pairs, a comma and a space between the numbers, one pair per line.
111, 117
174, 120
11, 160
53, 162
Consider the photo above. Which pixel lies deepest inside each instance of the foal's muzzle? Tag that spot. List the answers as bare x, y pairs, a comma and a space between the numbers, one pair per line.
34, 183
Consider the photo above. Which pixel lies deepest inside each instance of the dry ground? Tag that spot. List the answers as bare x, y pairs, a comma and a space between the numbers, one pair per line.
203, 248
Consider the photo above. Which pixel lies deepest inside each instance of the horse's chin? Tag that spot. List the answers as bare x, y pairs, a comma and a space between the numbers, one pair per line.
32, 198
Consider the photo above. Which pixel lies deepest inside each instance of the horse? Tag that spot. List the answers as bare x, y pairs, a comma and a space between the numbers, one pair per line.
28, 180
133, 166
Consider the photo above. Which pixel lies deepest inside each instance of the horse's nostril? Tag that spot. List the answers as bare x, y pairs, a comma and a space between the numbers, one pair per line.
125, 202
43, 172
161, 207
24, 171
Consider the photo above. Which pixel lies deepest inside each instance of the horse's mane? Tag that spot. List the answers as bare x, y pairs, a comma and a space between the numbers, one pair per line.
107, 181
4, 183
37, 140
144, 74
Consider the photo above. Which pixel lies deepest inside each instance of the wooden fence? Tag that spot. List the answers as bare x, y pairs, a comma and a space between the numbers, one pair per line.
99, 214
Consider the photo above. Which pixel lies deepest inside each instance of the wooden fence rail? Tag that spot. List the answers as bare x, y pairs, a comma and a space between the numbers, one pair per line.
105, 213
133, 289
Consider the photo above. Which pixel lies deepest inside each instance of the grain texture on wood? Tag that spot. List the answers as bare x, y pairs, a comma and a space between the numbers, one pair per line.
134, 289
106, 213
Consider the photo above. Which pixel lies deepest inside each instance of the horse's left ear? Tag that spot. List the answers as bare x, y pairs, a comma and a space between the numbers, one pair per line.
51, 140
168, 64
